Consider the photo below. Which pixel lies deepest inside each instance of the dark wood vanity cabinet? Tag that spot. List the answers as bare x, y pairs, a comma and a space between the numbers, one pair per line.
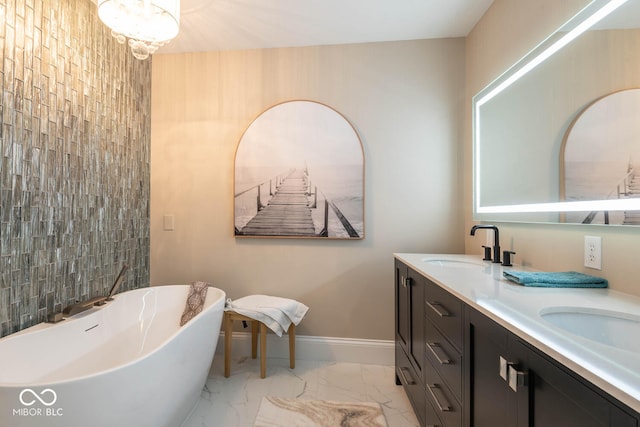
428, 330
461, 368
511, 383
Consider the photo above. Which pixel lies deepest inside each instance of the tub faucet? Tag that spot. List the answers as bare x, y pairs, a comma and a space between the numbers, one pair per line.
97, 301
496, 240
79, 307
117, 282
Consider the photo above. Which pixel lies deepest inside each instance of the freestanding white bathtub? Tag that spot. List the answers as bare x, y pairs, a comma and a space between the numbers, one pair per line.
125, 364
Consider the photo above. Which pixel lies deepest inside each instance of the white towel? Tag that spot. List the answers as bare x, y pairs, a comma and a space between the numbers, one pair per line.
275, 312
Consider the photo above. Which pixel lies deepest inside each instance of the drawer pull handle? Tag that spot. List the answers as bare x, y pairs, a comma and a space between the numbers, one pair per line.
512, 375
439, 353
438, 396
401, 371
438, 308
504, 369
517, 378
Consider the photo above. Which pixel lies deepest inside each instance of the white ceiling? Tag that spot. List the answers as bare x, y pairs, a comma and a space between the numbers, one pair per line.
209, 25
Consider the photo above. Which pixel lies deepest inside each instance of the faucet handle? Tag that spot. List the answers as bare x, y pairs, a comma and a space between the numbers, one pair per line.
506, 255
487, 253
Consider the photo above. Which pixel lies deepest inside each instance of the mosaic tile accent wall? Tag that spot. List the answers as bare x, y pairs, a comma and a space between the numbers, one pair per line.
74, 165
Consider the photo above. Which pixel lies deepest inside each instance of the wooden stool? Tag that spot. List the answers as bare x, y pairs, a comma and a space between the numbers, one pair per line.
229, 317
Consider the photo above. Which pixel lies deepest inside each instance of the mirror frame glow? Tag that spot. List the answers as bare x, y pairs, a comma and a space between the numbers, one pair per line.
581, 22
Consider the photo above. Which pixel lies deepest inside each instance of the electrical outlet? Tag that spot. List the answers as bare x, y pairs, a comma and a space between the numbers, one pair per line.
593, 252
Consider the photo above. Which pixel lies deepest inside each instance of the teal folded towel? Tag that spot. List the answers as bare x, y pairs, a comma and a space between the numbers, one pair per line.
566, 279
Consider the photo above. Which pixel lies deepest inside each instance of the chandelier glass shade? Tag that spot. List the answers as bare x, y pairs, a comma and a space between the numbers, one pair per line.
147, 24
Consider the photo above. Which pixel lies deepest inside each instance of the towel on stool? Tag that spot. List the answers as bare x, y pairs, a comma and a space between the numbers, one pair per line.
275, 312
567, 279
195, 301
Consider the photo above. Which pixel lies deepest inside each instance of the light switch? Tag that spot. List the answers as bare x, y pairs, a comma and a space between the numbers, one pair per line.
168, 222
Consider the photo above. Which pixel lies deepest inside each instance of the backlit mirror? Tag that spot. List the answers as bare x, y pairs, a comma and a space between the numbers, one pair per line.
522, 122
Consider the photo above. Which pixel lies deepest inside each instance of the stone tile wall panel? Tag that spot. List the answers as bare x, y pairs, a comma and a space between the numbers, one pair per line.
74, 166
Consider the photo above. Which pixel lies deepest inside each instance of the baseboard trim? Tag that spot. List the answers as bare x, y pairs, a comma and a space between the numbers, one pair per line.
373, 352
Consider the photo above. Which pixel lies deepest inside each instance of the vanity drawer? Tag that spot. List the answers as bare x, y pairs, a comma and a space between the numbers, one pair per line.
442, 401
431, 416
445, 311
444, 358
412, 384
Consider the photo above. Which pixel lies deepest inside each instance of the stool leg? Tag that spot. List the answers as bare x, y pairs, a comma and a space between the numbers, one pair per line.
254, 339
292, 346
263, 350
228, 326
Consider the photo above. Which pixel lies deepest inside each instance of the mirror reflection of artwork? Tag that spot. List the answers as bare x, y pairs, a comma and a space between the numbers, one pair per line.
299, 172
602, 157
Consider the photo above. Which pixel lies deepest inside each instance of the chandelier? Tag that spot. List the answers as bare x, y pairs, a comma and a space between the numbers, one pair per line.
147, 24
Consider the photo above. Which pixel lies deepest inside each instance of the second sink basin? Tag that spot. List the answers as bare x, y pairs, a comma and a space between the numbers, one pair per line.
608, 327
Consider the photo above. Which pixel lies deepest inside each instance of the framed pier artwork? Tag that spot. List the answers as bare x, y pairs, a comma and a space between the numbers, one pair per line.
299, 173
600, 158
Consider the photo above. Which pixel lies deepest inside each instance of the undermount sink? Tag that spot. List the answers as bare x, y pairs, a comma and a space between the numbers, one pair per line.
454, 263
608, 327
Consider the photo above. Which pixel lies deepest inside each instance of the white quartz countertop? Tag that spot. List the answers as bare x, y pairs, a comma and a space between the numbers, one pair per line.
519, 309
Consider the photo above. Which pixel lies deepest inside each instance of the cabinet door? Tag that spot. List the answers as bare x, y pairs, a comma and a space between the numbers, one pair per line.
403, 309
409, 294
561, 398
410, 314
491, 402
510, 383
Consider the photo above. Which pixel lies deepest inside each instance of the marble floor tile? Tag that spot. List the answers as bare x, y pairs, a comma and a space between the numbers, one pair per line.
234, 401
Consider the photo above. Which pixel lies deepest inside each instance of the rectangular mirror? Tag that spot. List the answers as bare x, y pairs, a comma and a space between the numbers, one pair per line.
522, 122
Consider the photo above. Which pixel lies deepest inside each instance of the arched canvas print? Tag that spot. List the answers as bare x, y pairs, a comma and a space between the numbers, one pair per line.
299, 173
601, 157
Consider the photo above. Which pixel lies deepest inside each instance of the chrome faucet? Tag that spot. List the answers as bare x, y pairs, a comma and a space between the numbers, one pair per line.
496, 240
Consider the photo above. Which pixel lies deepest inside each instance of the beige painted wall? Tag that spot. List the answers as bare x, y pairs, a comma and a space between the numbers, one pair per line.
405, 99
509, 29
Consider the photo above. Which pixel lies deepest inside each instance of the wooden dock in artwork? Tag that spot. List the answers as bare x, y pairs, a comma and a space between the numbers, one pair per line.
633, 190
288, 212
628, 187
